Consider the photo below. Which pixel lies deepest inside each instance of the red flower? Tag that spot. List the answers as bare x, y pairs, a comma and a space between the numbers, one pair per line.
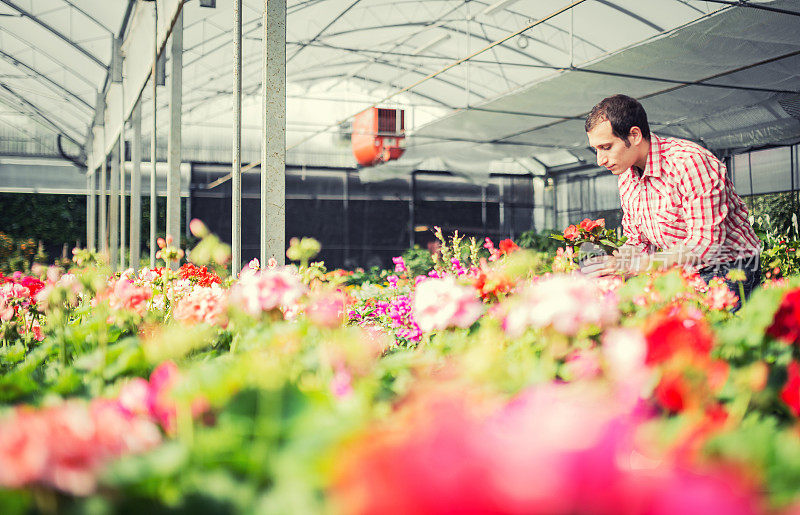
199, 275
673, 392
786, 323
33, 284
492, 285
571, 233
508, 246
790, 394
588, 225
677, 330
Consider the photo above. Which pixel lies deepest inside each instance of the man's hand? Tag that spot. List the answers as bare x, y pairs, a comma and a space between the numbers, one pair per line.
599, 266
626, 260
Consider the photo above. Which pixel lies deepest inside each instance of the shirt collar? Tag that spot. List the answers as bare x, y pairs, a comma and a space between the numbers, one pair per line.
654, 158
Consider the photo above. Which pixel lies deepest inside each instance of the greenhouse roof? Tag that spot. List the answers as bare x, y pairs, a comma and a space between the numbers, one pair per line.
482, 81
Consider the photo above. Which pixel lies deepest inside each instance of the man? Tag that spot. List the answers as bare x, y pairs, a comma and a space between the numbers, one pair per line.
679, 207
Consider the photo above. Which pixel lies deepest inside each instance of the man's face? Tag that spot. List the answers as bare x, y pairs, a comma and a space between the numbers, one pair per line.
612, 152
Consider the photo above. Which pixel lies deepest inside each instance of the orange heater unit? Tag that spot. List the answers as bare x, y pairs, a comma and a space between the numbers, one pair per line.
378, 135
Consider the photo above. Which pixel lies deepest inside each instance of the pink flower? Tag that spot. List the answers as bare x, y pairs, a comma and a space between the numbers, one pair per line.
392, 279
153, 399
685, 491
399, 265
133, 396
67, 445
11, 295
458, 268
720, 297
6, 308
564, 303
401, 314
266, 290
124, 295
203, 305
160, 404
198, 228
583, 364
625, 350
23, 448
494, 254
341, 383
327, 310
441, 303
553, 449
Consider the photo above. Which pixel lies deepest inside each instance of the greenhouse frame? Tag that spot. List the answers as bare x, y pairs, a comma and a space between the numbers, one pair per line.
495, 95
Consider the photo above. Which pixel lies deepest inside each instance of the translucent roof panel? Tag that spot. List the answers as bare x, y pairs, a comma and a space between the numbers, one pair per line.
54, 58
467, 105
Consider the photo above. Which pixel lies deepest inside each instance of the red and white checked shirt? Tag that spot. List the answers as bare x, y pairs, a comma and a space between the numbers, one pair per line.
684, 197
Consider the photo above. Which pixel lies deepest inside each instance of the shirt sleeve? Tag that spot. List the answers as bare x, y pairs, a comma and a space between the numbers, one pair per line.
635, 238
705, 205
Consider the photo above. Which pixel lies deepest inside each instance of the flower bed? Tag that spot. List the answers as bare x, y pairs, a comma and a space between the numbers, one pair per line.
488, 384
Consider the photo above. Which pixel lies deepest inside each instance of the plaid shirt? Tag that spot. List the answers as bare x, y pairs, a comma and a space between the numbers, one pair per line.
684, 197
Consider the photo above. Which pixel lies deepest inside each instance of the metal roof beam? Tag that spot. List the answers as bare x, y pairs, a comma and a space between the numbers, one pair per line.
632, 15
19, 64
456, 63
89, 16
441, 26
40, 114
700, 82
742, 3
56, 33
60, 64
326, 27
375, 81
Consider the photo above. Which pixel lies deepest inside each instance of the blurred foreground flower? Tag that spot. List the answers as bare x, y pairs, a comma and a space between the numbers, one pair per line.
566, 303
66, 446
267, 290
553, 449
442, 303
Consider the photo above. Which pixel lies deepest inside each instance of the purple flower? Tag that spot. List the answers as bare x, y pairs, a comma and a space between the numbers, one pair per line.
399, 264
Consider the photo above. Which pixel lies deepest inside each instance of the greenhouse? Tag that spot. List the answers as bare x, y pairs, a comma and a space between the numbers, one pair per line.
420, 256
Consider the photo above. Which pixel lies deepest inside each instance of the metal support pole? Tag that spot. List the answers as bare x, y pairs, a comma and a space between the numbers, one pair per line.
412, 186
187, 214
113, 211
104, 206
122, 192
468, 83
533, 204
236, 169
136, 185
791, 174
502, 208
91, 209
174, 150
273, 137
571, 38
555, 204
153, 143
346, 216
483, 210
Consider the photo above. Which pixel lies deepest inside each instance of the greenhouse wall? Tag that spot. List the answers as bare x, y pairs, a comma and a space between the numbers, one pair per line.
367, 223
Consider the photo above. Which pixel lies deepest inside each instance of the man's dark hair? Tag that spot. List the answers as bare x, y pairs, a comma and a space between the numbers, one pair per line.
623, 112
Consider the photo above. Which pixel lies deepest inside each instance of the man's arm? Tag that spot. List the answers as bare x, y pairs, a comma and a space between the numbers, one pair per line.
702, 188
